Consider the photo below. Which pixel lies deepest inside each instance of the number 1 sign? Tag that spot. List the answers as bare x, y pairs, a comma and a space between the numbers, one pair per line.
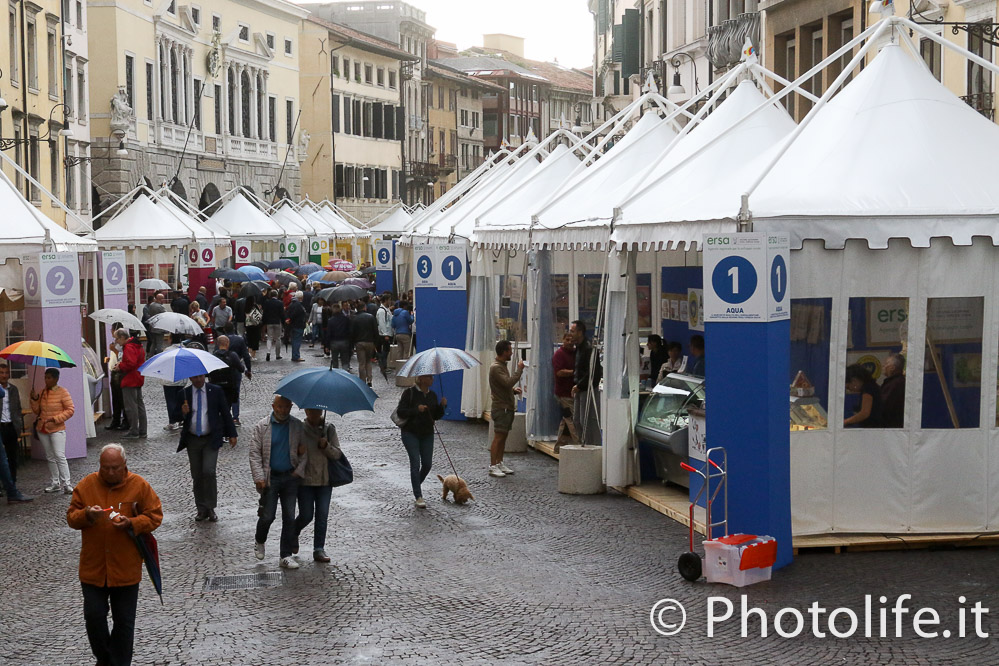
746, 277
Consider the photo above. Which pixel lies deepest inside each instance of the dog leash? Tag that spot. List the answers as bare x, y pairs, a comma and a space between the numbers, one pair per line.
445, 449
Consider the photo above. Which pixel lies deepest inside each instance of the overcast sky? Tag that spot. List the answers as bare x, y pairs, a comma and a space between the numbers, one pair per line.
554, 29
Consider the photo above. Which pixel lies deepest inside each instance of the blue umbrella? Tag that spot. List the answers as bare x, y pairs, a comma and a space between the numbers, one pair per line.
252, 272
281, 264
180, 363
437, 360
333, 390
316, 277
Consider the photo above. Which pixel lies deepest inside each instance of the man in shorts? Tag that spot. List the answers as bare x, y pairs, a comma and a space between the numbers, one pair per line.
501, 386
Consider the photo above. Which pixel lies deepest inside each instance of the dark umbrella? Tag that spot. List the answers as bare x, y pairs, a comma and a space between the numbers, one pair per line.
368, 271
346, 292
308, 269
230, 274
251, 289
262, 265
150, 552
287, 279
281, 264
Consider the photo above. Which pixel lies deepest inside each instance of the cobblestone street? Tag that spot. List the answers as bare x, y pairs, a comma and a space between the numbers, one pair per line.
520, 575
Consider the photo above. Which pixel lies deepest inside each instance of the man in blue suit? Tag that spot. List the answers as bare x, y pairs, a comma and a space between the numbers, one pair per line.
207, 421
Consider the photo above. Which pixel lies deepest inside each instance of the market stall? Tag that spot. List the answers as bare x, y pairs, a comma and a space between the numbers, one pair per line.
255, 236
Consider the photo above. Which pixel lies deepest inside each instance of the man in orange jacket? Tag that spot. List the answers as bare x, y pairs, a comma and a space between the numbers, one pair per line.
105, 505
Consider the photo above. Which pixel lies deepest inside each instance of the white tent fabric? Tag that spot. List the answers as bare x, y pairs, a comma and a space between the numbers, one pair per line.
241, 220
294, 224
316, 221
202, 233
894, 155
339, 224
25, 230
144, 224
700, 185
514, 212
579, 215
396, 223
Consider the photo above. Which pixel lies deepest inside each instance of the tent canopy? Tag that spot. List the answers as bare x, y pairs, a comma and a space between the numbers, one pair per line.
338, 223
395, 223
241, 220
144, 224
894, 155
25, 230
294, 224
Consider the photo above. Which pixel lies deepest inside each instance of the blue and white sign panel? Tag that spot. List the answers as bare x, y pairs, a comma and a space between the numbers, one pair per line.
778, 261
383, 255
424, 266
113, 269
452, 265
735, 270
59, 278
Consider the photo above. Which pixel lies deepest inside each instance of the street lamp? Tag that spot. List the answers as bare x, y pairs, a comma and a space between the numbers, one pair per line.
72, 160
7, 144
677, 89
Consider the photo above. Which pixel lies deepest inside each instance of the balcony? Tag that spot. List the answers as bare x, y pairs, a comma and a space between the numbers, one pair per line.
427, 172
983, 102
170, 135
250, 149
446, 164
725, 40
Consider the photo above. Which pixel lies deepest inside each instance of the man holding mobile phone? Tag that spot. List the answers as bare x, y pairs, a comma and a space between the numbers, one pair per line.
501, 386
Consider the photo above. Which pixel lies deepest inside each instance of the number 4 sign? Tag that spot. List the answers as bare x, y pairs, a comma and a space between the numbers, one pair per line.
746, 277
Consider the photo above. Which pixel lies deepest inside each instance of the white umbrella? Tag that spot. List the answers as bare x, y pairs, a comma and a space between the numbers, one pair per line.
117, 316
438, 360
174, 322
153, 283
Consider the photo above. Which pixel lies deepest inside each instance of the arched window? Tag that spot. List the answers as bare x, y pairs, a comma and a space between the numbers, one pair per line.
178, 188
245, 105
209, 201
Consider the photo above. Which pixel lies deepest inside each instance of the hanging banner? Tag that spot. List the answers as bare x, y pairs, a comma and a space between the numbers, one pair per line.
32, 282
59, 275
424, 264
451, 262
383, 255
241, 252
113, 273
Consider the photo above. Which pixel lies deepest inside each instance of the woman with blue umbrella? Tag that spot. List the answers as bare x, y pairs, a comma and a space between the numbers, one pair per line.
317, 390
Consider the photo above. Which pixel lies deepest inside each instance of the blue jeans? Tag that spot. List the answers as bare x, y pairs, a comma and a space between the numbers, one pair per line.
283, 487
6, 478
296, 343
235, 404
314, 501
421, 457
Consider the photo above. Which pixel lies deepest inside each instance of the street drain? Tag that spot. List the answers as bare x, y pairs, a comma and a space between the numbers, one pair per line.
242, 581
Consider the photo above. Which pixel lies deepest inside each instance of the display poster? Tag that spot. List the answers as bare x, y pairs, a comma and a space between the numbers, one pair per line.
698, 440
695, 310
113, 273
59, 277
451, 267
242, 251
424, 265
383, 255
746, 277
32, 284
954, 319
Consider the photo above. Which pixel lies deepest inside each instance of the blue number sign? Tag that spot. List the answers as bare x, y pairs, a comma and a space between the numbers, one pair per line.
734, 279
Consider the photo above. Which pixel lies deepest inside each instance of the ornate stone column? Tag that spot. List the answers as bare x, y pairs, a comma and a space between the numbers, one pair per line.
253, 103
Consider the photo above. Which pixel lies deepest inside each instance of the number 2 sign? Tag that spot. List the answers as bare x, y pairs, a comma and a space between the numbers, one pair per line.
113, 272
58, 277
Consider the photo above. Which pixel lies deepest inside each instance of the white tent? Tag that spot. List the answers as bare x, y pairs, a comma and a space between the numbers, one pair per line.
338, 223
696, 189
241, 220
908, 158
394, 224
144, 224
292, 222
25, 230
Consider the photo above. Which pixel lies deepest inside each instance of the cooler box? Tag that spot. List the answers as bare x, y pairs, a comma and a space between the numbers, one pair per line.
739, 559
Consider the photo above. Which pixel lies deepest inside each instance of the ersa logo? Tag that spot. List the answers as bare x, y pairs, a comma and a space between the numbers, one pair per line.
719, 240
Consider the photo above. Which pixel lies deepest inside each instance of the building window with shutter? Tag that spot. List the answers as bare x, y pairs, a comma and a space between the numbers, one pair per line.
290, 113
336, 114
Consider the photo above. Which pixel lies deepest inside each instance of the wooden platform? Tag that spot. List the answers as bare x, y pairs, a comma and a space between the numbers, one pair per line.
674, 502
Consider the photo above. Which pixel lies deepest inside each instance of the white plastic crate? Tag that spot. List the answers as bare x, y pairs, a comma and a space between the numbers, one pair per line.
723, 559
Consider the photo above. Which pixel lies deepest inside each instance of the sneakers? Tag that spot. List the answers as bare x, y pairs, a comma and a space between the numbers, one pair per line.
19, 499
258, 550
268, 356
421, 503
289, 563
503, 468
236, 423
319, 555
53, 488
67, 489
494, 470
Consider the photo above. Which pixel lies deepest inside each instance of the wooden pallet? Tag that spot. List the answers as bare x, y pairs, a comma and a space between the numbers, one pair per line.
543, 447
671, 501
838, 543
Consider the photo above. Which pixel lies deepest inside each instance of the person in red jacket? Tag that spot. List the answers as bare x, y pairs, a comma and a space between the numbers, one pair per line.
132, 356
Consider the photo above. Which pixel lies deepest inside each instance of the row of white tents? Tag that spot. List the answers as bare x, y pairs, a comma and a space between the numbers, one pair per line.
886, 190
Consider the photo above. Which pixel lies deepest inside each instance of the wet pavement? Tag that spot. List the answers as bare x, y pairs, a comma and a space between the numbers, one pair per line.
522, 575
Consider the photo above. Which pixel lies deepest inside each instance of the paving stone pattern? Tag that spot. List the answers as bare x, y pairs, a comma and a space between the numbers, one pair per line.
522, 575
